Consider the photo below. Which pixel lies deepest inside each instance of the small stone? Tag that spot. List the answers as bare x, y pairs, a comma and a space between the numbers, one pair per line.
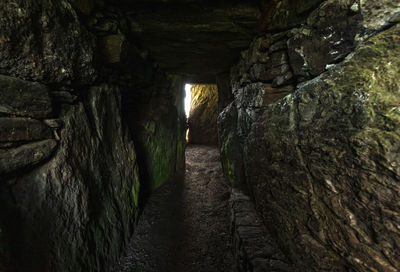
280, 45
355, 8
24, 98
274, 72
283, 79
278, 58
280, 36
64, 97
23, 129
54, 123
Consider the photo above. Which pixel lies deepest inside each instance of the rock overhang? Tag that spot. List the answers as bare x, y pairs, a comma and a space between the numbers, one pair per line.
197, 39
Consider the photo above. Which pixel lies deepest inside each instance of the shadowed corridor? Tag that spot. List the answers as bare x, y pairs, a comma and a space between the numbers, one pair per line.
185, 223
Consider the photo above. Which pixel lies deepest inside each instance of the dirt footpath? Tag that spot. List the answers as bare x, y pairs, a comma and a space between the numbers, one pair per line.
185, 224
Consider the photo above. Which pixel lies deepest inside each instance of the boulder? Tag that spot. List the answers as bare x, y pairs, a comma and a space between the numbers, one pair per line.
323, 164
76, 211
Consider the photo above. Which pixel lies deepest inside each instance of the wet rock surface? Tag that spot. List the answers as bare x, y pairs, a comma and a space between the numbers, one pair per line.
185, 224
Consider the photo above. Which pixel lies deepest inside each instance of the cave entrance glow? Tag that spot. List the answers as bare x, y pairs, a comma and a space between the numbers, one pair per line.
188, 100
202, 119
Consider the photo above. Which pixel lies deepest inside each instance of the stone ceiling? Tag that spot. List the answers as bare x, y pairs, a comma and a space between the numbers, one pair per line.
194, 38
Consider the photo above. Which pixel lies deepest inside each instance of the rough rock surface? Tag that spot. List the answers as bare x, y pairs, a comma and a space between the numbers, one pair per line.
25, 156
255, 249
152, 101
83, 178
43, 40
225, 96
24, 98
330, 152
157, 123
203, 115
195, 38
23, 129
231, 147
78, 210
321, 161
185, 224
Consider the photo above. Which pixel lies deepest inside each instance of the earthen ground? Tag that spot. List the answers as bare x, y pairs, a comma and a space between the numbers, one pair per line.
185, 224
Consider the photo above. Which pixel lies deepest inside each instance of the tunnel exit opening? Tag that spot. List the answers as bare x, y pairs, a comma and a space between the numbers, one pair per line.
201, 107
188, 100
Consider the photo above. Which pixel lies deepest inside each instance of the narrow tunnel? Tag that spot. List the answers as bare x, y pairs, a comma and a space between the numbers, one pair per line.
287, 160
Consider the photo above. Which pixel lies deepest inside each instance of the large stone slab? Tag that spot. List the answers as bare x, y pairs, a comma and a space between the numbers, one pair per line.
253, 246
230, 147
24, 98
25, 156
77, 210
194, 38
323, 164
23, 129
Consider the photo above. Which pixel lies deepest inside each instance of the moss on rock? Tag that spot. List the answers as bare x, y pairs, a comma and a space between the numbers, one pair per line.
77, 211
323, 163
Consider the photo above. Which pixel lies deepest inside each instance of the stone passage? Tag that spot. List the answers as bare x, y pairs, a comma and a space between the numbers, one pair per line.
185, 225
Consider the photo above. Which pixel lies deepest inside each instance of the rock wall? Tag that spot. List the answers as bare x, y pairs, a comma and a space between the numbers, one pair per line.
203, 115
313, 132
93, 124
75, 209
152, 101
33, 48
157, 122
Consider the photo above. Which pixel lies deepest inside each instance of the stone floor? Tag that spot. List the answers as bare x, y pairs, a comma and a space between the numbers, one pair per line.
185, 225
254, 248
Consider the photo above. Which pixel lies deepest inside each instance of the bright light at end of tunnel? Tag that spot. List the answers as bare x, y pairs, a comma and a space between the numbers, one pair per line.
188, 98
